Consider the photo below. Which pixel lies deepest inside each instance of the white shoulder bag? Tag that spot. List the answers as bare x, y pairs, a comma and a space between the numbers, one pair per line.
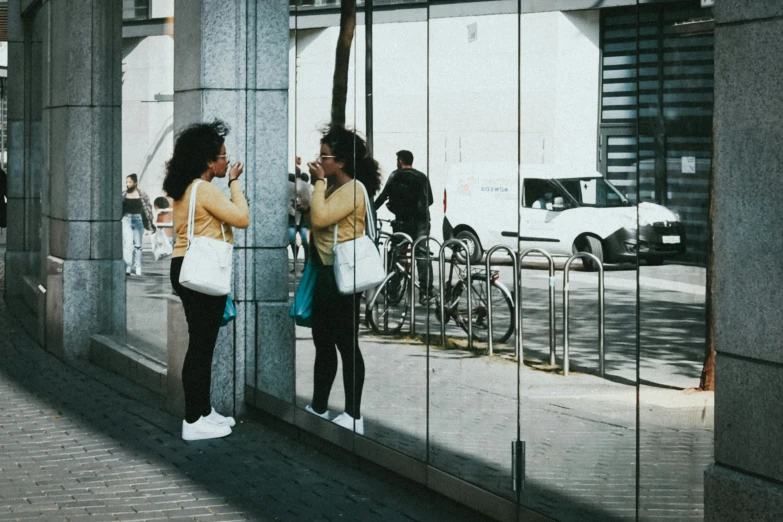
357, 263
207, 264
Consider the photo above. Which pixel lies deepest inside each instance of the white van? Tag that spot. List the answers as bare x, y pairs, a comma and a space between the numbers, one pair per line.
561, 209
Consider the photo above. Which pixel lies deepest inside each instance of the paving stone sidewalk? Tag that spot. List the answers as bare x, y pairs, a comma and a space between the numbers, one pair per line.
78, 444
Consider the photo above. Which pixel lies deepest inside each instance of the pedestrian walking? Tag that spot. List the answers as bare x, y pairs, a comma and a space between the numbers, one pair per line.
200, 154
299, 193
409, 196
136, 218
342, 166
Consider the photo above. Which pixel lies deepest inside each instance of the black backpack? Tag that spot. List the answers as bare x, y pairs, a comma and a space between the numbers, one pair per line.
408, 195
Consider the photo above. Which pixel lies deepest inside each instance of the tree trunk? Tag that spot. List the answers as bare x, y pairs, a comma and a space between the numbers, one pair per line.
342, 60
368, 73
707, 382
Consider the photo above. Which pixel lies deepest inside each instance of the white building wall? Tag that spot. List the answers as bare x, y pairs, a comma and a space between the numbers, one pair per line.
473, 104
162, 9
147, 139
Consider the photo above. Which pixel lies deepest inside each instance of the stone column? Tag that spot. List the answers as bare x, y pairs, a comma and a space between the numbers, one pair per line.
746, 480
25, 36
81, 192
231, 63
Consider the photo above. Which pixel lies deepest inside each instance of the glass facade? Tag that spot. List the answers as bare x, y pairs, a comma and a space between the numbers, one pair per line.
546, 134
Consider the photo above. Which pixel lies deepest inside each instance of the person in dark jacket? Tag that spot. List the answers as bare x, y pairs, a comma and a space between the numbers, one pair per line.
409, 196
136, 218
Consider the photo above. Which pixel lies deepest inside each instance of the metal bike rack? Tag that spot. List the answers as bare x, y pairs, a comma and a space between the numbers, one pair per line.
413, 277
552, 330
442, 277
517, 308
584, 255
405, 238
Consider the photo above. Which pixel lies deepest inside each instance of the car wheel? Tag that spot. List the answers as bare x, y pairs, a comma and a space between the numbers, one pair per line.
590, 245
474, 246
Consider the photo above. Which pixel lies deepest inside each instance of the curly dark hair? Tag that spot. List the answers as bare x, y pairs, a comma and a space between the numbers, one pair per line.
195, 146
350, 148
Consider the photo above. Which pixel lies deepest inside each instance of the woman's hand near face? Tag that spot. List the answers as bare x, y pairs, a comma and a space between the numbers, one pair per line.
236, 171
316, 170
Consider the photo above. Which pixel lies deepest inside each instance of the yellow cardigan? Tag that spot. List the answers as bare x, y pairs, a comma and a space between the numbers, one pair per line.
212, 209
336, 206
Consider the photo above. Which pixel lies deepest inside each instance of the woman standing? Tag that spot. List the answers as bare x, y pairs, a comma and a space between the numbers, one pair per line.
136, 218
200, 154
343, 161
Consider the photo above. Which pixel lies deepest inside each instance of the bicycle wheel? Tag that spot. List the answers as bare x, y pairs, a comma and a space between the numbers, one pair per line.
387, 310
502, 310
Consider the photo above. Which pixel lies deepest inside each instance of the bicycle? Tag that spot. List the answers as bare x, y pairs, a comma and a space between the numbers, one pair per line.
387, 309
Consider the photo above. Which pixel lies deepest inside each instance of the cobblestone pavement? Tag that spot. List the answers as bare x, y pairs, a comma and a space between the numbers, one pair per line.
77, 444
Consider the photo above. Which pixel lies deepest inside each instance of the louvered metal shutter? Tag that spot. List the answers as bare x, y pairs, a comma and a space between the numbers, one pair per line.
674, 106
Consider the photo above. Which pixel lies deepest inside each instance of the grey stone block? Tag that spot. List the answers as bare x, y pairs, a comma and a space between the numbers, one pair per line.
730, 495
275, 352
36, 163
15, 28
271, 274
17, 265
70, 47
105, 240
244, 273
229, 106
271, 44
269, 188
87, 293
16, 211
69, 239
54, 306
224, 44
16, 84
106, 54
40, 27
748, 416
187, 108
32, 219
740, 10
104, 149
187, 46
245, 329
222, 391
747, 134
16, 181
35, 88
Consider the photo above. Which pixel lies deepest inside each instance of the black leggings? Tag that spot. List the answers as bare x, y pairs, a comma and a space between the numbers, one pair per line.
335, 322
204, 314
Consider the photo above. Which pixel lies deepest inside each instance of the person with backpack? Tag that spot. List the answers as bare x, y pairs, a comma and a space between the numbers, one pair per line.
409, 197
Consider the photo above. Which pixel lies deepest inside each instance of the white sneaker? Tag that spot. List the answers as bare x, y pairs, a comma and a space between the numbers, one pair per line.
138, 270
220, 420
324, 415
203, 429
348, 422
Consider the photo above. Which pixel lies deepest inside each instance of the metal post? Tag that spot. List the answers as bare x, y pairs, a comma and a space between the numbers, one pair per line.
601, 322
517, 315
552, 326
442, 290
413, 277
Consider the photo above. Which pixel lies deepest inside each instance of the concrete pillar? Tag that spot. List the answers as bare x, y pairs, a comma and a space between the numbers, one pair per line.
231, 63
25, 36
82, 143
746, 480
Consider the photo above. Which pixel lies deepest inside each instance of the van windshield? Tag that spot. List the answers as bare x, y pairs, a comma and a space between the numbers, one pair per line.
593, 192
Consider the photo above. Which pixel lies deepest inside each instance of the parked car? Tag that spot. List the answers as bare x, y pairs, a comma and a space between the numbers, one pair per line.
557, 208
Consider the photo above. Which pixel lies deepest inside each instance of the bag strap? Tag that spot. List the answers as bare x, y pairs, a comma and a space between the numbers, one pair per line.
192, 213
369, 222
